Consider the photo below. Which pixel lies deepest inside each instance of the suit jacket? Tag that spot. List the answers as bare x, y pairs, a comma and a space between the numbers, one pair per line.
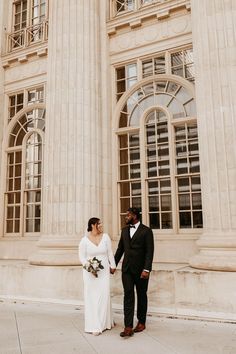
138, 250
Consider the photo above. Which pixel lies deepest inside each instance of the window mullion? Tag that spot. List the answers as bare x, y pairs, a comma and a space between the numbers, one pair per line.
174, 196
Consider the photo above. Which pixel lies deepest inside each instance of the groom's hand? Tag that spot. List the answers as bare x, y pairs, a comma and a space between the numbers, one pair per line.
144, 275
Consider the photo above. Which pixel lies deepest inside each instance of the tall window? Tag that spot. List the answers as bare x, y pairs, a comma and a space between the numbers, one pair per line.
159, 123
24, 171
20, 15
29, 23
178, 62
126, 76
21, 99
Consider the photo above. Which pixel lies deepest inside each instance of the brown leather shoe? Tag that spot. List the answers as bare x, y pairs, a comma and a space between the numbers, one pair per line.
140, 327
127, 332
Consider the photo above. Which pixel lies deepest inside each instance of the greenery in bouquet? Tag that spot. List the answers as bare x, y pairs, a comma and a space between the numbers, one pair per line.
93, 266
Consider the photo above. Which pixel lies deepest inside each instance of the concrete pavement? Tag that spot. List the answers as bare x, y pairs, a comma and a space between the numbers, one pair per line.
39, 328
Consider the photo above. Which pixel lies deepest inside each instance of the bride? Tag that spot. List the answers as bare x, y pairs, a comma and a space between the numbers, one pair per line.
96, 277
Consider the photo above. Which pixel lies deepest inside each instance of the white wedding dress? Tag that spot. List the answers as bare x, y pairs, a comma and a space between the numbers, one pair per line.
97, 301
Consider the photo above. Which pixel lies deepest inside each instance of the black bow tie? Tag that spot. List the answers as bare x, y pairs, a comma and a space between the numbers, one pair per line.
132, 226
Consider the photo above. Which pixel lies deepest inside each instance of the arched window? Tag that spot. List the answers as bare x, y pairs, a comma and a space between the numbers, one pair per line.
159, 168
24, 173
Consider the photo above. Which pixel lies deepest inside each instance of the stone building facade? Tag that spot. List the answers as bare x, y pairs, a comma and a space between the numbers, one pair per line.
110, 103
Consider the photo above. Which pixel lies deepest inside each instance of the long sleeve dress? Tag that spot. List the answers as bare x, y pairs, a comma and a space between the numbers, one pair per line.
97, 301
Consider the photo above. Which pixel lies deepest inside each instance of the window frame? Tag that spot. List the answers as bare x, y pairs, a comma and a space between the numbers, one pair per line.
173, 122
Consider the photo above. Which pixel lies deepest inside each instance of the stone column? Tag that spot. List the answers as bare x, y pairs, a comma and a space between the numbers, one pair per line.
73, 136
214, 43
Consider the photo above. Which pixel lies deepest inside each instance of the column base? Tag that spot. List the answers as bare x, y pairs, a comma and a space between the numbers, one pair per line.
56, 251
216, 253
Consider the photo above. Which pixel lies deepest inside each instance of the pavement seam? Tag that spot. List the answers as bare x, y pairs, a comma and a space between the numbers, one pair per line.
18, 335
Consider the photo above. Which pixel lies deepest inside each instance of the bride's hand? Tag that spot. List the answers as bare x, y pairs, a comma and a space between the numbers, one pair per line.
112, 270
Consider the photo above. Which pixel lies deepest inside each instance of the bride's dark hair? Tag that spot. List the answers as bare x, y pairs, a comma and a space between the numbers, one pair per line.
92, 221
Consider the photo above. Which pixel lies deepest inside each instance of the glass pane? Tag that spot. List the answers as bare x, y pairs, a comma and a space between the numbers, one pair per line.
30, 225
17, 212
153, 203
120, 73
17, 226
151, 134
176, 59
9, 226
151, 153
124, 156
180, 133
123, 141
153, 187
184, 202
166, 220
182, 166
134, 155
37, 182
197, 219
197, 201
134, 140
37, 225
194, 164
17, 184
131, 70
37, 211
164, 168
30, 211
154, 221
192, 131
38, 196
193, 148
185, 220
124, 204
124, 189
124, 172
183, 184
159, 65
151, 117
147, 68
135, 171
10, 198
136, 189
152, 169
188, 56
18, 170
165, 186
196, 184
136, 202
166, 203
162, 133
120, 86
163, 151
123, 120
178, 71
10, 212
181, 149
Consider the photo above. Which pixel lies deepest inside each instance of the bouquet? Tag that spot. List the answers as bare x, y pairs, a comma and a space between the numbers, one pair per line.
93, 266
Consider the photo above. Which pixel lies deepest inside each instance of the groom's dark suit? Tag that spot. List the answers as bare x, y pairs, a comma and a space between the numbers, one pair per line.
138, 256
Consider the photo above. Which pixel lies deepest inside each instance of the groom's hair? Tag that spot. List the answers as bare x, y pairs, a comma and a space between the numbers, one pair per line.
134, 211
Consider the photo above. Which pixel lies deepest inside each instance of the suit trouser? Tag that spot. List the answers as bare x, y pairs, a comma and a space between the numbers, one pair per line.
130, 281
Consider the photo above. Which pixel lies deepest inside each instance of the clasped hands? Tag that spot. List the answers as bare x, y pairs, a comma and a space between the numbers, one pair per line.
144, 274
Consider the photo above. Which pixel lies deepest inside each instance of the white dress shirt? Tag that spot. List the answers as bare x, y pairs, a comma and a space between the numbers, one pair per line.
133, 229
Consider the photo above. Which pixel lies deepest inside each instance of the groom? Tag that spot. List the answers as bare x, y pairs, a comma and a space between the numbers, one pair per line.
137, 245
